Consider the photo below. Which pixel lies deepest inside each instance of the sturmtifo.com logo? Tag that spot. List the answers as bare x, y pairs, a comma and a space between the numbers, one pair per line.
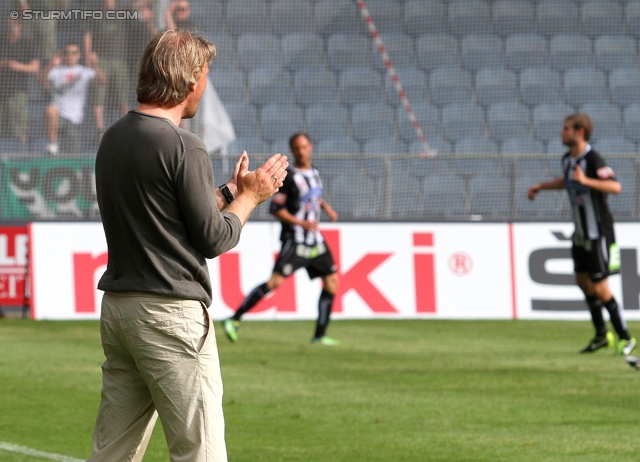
112, 15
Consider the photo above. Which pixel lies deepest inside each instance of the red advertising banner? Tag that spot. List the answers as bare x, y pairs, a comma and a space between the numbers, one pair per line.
14, 266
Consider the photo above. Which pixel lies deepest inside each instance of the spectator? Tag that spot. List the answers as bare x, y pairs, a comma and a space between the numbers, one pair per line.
179, 15
68, 82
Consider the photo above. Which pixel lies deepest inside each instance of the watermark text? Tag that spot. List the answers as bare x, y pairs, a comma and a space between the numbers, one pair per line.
111, 15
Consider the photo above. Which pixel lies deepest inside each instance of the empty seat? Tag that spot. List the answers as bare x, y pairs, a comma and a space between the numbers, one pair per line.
302, 51
403, 187
513, 16
387, 15
372, 120
606, 118
450, 85
313, 86
428, 118
384, 146
399, 48
632, 18
247, 15
445, 196
600, 17
624, 205
251, 144
360, 85
327, 121
437, 50
631, 116
521, 146
258, 50
270, 85
496, 86
346, 51
554, 17
482, 51
414, 84
585, 85
441, 146
337, 16
289, 17
548, 120
555, 147
475, 146
614, 145
547, 204
355, 197
490, 196
508, 120
541, 85
462, 120
569, 51
226, 54
615, 51
207, 16
425, 16
280, 120
338, 145
229, 84
624, 85
469, 17
526, 51
244, 118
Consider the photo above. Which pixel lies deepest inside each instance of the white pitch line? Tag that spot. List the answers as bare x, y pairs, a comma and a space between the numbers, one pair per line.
32, 452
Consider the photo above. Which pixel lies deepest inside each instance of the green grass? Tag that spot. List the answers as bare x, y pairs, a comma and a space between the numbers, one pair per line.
393, 391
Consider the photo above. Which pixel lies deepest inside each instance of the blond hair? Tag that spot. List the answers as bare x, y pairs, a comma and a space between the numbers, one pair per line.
171, 64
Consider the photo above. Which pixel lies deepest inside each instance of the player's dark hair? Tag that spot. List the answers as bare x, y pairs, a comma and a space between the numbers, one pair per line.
582, 121
295, 136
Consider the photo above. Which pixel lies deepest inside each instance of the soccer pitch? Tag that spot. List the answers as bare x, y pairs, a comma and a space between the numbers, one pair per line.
410, 390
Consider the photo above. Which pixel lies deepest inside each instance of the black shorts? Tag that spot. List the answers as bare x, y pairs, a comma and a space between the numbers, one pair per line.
599, 257
316, 259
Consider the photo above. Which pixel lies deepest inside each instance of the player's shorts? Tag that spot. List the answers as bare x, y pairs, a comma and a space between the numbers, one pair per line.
599, 257
316, 259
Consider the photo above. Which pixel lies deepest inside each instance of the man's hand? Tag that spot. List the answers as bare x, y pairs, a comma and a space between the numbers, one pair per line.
261, 183
578, 175
533, 190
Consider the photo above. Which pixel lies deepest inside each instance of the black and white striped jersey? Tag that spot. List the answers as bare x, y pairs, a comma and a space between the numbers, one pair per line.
591, 213
301, 196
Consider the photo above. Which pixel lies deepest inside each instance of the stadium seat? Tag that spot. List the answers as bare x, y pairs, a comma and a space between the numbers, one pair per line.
555, 147
291, 17
425, 16
548, 119
601, 17
440, 145
302, 51
540, 86
608, 146
496, 86
585, 85
347, 51
400, 49
425, 167
251, 144
229, 84
513, 16
244, 118
387, 15
521, 146
482, 51
208, 16
226, 54
547, 205
407, 191
570, 51
538, 164
490, 196
360, 85
624, 85
437, 50
461, 120
553, 17
476, 146
384, 146
624, 205
338, 17
325, 120
631, 115
313, 86
372, 120
258, 50
445, 196
280, 120
270, 85
526, 51
508, 120
414, 84
337, 145
632, 18
450, 85
365, 203
606, 118
469, 17
428, 118
615, 51
247, 15
280, 146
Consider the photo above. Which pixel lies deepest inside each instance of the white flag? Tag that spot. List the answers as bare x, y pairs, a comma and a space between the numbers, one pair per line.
217, 129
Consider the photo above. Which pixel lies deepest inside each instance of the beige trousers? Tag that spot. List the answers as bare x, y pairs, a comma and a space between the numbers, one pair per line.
161, 360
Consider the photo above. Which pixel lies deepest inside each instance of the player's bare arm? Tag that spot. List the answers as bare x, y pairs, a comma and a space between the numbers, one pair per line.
285, 217
606, 185
556, 183
331, 213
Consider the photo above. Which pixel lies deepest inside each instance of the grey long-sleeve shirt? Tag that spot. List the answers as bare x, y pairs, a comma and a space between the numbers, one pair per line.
155, 189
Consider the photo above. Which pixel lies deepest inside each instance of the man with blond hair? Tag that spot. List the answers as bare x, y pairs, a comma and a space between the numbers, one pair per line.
163, 217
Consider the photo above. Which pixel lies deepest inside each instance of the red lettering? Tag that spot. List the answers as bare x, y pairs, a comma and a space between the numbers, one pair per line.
84, 270
424, 275
357, 278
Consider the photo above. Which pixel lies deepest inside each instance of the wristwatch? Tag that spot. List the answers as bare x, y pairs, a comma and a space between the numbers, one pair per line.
226, 192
